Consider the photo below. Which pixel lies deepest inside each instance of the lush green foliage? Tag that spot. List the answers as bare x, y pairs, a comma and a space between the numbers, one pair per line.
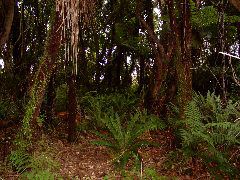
41, 166
97, 107
124, 127
19, 160
124, 140
211, 131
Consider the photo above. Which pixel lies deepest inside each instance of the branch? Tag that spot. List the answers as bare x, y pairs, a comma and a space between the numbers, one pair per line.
153, 38
235, 78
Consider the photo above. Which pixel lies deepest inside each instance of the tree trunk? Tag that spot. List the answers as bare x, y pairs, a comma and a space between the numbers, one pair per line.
72, 107
82, 77
153, 101
181, 32
221, 48
30, 128
142, 74
6, 19
236, 4
117, 66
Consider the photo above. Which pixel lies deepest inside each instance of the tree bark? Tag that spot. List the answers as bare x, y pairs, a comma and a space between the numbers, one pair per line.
160, 69
6, 19
72, 107
182, 33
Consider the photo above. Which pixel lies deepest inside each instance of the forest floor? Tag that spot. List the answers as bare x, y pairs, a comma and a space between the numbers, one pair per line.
83, 160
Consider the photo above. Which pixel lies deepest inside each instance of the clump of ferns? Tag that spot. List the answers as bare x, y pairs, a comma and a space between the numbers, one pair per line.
39, 164
97, 107
212, 131
124, 139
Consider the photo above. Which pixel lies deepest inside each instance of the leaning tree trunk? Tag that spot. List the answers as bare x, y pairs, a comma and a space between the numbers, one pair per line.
30, 126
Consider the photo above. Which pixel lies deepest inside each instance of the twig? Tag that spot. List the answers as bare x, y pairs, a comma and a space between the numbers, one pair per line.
229, 55
141, 170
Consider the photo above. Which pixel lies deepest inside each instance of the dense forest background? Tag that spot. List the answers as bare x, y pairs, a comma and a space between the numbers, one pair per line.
121, 69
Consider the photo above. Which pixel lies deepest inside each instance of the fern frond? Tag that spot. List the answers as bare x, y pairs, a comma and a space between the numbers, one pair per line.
20, 160
192, 112
104, 143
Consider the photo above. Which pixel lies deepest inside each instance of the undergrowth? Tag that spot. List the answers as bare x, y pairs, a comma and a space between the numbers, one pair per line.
97, 107
121, 126
211, 131
124, 140
39, 164
8, 109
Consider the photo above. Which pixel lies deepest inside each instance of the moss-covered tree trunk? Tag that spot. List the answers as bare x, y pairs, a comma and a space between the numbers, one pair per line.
181, 30
30, 126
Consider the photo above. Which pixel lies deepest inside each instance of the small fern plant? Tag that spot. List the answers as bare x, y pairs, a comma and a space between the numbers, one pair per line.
211, 130
42, 166
19, 160
37, 165
98, 106
124, 139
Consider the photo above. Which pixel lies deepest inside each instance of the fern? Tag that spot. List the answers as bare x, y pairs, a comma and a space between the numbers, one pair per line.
39, 165
209, 128
105, 105
116, 114
20, 160
124, 139
39, 175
